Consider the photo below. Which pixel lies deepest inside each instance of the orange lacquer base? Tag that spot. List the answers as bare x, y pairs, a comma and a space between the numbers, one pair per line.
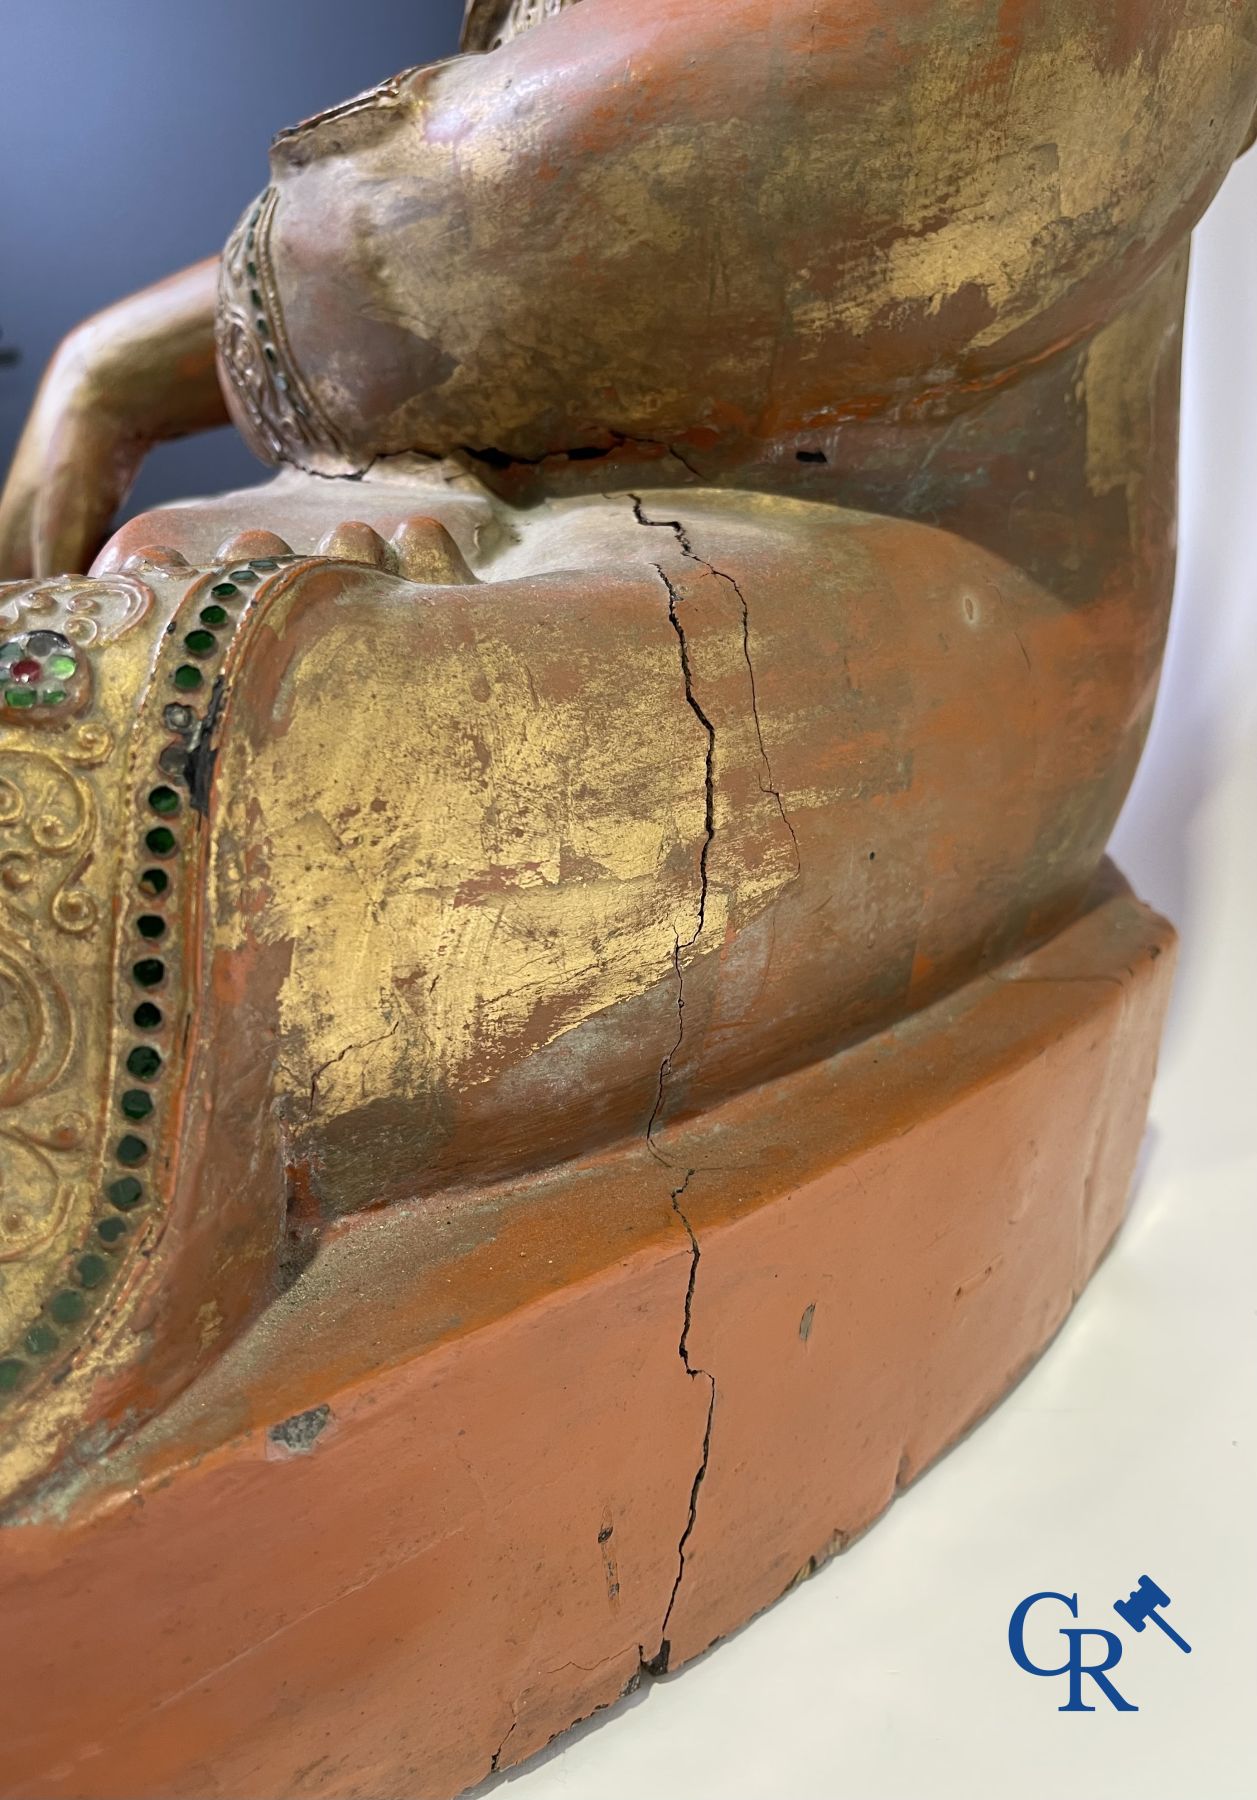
493, 1453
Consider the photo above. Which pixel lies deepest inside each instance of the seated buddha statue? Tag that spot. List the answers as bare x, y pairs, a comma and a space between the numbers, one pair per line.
709, 606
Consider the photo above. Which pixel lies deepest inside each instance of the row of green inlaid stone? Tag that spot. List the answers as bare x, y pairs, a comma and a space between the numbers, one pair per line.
202, 642
144, 1061
161, 841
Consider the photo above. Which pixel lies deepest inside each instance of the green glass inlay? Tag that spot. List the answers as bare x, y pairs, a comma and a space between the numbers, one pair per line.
187, 677
151, 925
60, 666
147, 1016
144, 1063
67, 1306
19, 696
131, 1151
160, 841
244, 575
110, 1230
125, 1193
225, 590
91, 1269
12, 1374
265, 563
163, 800
148, 971
213, 615
154, 882
201, 643
52, 696
136, 1104
42, 1339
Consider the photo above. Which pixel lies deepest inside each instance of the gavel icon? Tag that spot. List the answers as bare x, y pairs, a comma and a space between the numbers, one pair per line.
1141, 1605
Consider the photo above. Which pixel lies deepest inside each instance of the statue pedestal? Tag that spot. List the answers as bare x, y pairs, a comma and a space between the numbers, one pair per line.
495, 1452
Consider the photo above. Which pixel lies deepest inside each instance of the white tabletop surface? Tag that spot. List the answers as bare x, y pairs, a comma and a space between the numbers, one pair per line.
1129, 1450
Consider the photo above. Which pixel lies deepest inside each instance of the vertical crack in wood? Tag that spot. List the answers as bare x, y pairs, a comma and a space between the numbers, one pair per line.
709, 832
767, 780
658, 1664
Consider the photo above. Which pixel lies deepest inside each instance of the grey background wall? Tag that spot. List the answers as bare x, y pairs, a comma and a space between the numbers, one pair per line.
132, 135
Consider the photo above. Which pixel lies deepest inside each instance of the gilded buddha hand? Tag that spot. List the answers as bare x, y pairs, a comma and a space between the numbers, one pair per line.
715, 657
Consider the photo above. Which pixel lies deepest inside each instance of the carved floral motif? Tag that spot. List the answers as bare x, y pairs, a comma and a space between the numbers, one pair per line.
49, 837
49, 822
89, 611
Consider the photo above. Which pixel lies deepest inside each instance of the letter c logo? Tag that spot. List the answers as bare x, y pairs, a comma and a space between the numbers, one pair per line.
1017, 1629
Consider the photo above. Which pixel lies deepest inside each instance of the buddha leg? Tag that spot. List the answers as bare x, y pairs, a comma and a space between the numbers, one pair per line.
366, 886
